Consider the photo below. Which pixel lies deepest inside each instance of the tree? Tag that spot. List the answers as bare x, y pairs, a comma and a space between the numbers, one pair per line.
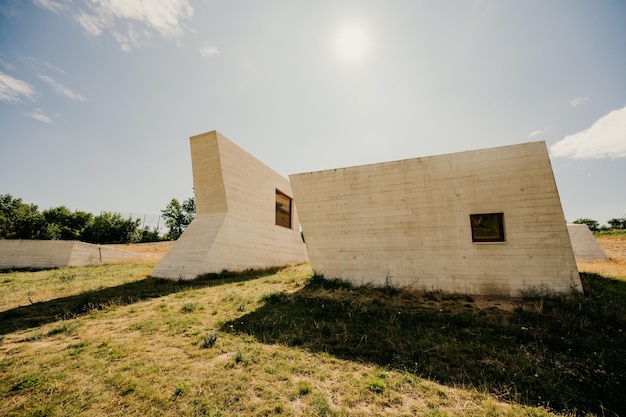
178, 216
617, 223
62, 224
19, 220
112, 228
591, 224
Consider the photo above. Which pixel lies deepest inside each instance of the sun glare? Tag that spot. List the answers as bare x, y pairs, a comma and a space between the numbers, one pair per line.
351, 42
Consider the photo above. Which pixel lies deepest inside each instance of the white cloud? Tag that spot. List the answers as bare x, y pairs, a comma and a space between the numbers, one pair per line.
92, 24
606, 138
39, 114
140, 18
12, 89
37, 63
61, 89
51, 5
537, 132
208, 50
578, 100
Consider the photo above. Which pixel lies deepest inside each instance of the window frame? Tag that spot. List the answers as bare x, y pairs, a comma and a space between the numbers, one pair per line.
288, 215
495, 222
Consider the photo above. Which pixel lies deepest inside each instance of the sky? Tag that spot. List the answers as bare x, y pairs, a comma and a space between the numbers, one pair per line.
98, 98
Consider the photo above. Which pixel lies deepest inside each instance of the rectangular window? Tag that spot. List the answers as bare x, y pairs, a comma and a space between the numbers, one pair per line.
487, 228
283, 210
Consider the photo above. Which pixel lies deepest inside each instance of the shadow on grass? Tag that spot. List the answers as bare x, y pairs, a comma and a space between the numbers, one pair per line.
39, 313
562, 353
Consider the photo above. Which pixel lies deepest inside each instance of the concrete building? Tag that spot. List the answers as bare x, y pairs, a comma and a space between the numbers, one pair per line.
245, 215
585, 245
479, 222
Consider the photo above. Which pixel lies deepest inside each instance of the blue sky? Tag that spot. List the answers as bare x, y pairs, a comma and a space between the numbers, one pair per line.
99, 97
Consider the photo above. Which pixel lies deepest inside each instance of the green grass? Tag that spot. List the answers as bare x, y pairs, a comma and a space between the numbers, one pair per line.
281, 342
610, 232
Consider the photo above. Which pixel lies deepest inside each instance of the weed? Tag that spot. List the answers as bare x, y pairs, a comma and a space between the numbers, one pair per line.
77, 348
67, 276
179, 390
42, 411
535, 292
376, 385
6, 363
64, 327
304, 387
149, 326
128, 389
239, 357
31, 381
189, 307
322, 406
208, 340
274, 298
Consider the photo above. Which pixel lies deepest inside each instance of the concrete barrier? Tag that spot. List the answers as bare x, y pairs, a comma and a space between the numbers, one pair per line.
42, 254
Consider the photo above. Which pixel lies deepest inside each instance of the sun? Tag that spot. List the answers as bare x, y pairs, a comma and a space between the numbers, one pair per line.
351, 42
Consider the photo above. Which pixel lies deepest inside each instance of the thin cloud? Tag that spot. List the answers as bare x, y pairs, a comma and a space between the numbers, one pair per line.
61, 89
606, 138
38, 63
51, 5
39, 115
128, 21
7, 65
12, 89
92, 24
208, 50
577, 101
10, 8
537, 132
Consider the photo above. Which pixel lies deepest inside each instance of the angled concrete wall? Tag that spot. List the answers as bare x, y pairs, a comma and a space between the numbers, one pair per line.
407, 223
56, 253
585, 245
235, 225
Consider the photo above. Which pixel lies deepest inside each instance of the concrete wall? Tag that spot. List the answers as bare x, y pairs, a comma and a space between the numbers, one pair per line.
407, 223
57, 253
234, 228
585, 245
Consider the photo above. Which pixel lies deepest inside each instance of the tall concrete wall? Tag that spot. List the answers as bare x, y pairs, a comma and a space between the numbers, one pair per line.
407, 223
585, 245
56, 253
235, 226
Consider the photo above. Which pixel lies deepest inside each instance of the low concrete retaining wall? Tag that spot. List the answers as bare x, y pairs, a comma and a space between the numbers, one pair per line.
56, 253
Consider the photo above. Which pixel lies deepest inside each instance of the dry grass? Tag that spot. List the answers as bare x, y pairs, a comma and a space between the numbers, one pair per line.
153, 355
109, 340
19, 289
615, 266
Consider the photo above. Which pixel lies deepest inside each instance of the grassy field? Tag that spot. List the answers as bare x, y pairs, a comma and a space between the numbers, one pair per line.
110, 340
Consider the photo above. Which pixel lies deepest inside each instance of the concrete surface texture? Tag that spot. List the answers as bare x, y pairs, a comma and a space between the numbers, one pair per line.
409, 223
235, 227
584, 244
56, 253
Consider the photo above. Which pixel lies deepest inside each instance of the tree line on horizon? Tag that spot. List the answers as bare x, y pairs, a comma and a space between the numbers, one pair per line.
594, 225
20, 220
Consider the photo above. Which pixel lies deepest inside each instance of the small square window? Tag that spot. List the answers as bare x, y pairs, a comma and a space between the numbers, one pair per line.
487, 227
283, 210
